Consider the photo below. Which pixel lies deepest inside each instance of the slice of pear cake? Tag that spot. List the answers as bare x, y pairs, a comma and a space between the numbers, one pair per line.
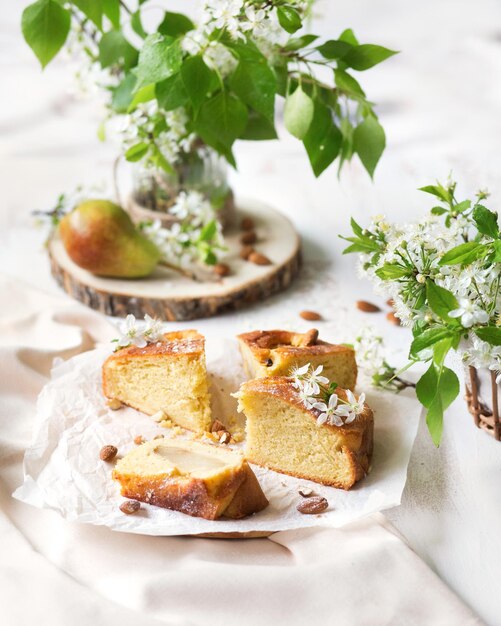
169, 375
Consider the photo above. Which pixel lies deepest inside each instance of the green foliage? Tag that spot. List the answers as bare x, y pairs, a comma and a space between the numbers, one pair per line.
298, 113
441, 301
369, 142
45, 25
222, 107
491, 334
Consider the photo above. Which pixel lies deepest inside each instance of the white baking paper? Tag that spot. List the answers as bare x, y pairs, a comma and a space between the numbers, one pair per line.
63, 471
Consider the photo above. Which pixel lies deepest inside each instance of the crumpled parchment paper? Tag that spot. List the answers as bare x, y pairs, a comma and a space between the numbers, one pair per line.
63, 471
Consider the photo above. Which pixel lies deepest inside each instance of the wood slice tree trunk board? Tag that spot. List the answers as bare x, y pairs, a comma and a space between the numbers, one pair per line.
171, 297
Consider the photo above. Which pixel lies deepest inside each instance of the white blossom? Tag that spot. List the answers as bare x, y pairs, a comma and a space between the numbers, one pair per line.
470, 313
130, 333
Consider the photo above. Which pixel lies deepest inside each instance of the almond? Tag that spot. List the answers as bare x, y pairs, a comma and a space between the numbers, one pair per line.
245, 252
390, 302
224, 436
217, 425
310, 316
221, 269
139, 440
108, 453
391, 317
310, 506
248, 237
130, 506
367, 307
247, 223
259, 259
309, 338
114, 404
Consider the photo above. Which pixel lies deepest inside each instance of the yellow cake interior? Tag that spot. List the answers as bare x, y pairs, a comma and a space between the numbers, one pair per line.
169, 377
284, 436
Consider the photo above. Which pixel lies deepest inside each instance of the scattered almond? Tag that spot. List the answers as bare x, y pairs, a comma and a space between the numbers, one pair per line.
259, 259
247, 223
130, 506
221, 269
310, 337
248, 237
390, 302
108, 453
217, 425
367, 307
139, 440
391, 317
306, 492
159, 416
310, 506
224, 437
310, 316
114, 404
245, 252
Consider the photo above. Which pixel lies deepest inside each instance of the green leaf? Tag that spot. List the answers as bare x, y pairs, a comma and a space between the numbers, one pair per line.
45, 25
289, 19
428, 338
300, 42
369, 142
334, 49
122, 94
345, 82
490, 334
441, 301
298, 113
366, 55
137, 25
111, 8
208, 231
391, 272
174, 24
115, 49
160, 57
438, 210
463, 254
349, 36
258, 128
255, 83
137, 152
171, 93
486, 221
145, 94
93, 9
221, 120
197, 79
496, 246
437, 190
323, 139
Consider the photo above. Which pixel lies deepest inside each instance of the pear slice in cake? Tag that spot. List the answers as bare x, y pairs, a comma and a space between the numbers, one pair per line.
277, 352
283, 435
191, 477
169, 375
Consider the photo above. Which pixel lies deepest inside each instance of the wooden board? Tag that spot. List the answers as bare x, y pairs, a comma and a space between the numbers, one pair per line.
171, 297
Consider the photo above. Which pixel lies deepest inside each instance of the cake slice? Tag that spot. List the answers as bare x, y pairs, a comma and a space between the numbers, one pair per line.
191, 477
283, 435
277, 352
169, 376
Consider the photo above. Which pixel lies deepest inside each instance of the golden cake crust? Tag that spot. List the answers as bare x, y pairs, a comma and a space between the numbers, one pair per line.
354, 440
233, 493
173, 343
275, 352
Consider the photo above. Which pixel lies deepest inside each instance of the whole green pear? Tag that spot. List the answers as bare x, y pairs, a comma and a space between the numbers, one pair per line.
100, 237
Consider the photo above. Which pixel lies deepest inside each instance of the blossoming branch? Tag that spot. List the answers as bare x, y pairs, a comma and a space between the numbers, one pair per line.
443, 274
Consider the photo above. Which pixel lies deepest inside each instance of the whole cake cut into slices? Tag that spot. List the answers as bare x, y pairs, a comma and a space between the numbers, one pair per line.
283, 435
191, 477
277, 352
168, 375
